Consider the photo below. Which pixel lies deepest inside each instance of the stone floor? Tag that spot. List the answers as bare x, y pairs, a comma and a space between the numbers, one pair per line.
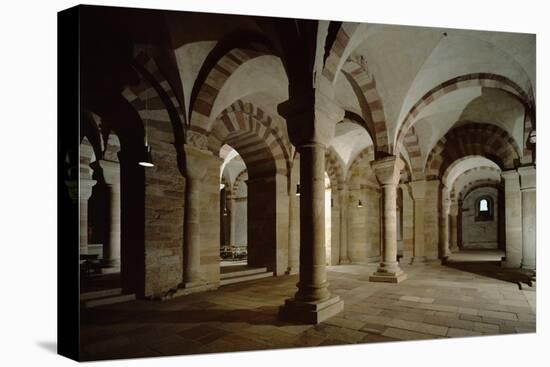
434, 302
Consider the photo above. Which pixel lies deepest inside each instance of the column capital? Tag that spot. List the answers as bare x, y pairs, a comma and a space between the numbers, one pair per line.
195, 161
528, 177
81, 189
311, 118
418, 189
388, 170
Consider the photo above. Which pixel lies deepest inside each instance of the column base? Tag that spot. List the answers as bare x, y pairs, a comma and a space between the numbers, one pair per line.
388, 277
310, 312
291, 271
419, 260
344, 262
529, 266
510, 264
186, 288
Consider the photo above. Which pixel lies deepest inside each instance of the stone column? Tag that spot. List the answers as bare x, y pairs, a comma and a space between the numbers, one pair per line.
418, 190
293, 231
111, 249
387, 171
512, 203
310, 122
454, 227
528, 182
408, 225
81, 194
195, 171
343, 195
232, 212
444, 251
459, 225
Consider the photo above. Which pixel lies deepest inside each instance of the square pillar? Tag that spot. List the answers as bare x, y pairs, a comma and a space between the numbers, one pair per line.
528, 182
418, 190
513, 221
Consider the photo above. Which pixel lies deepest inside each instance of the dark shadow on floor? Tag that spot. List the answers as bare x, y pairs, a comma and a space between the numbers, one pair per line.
266, 315
50, 346
492, 269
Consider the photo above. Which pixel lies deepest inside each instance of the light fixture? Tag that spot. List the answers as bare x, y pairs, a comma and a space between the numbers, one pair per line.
147, 161
532, 137
297, 189
359, 204
225, 211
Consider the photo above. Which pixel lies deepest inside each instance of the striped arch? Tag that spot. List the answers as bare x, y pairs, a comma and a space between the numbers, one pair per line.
241, 177
364, 85
472, 170
154, 99
254, 135
334, 60
333, 167
451, 85
363, 159
205, 94
486, 140
475, 185
412, 147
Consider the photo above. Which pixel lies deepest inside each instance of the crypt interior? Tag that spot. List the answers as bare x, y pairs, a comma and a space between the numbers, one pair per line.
255, 183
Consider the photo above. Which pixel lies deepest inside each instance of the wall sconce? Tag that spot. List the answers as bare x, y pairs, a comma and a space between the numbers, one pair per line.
359, 204
297, 189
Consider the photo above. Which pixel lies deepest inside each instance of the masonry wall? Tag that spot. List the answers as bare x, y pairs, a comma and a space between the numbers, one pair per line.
479, 234
164, 203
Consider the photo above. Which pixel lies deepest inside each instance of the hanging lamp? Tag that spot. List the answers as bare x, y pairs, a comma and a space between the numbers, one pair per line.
297, 189
147, 161
359, 204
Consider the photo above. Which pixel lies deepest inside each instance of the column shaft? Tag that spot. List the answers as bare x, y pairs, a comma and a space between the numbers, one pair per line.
344, 259
313, 278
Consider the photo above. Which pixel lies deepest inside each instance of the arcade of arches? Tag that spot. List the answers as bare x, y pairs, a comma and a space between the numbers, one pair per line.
321, 166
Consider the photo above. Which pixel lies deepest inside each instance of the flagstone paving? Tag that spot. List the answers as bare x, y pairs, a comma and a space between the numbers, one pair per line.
434, 302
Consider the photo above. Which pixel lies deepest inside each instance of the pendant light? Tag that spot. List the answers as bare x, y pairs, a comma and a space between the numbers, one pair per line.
148, 159
297, 189
225, 211
359, 204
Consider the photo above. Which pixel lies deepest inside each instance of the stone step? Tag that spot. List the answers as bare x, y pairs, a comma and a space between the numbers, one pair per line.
100, 294
109, 300
245, 278
240, 273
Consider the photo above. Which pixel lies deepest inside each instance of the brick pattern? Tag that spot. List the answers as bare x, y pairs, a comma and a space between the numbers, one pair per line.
356, 67
472, 139
255, 135
463, 81
216, 78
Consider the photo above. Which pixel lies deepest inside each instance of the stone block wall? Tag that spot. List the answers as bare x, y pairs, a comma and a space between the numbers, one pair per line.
480, 234
164, 203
